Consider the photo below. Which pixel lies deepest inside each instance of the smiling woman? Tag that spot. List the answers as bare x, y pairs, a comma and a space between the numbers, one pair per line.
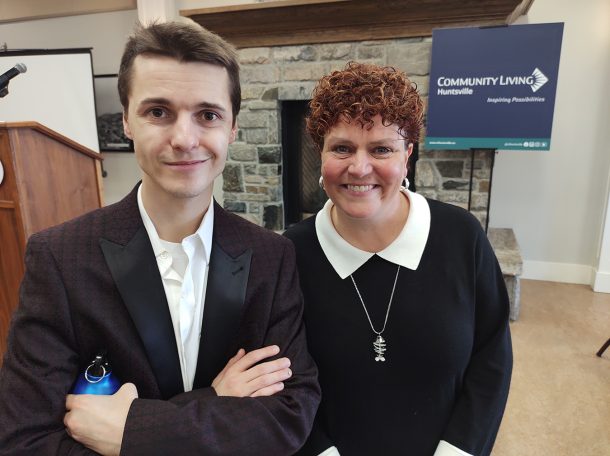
363, 170
405, 305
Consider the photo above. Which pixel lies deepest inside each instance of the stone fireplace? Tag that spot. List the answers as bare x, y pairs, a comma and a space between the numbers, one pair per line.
279, 71
272, 77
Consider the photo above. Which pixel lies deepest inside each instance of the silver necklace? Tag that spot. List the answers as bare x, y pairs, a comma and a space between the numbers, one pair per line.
379, 345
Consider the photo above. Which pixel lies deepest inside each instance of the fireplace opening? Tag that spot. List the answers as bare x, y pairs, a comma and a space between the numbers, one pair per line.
303, 196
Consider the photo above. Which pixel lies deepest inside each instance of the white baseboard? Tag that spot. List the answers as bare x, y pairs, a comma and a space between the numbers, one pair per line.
601, 284
558, 272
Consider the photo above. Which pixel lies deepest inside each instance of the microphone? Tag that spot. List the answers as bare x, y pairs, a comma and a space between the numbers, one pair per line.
10, 74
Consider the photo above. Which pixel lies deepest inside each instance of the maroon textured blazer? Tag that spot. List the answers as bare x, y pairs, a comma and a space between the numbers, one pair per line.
93, 283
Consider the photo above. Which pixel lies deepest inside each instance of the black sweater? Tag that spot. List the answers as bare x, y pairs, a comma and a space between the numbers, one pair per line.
448, 359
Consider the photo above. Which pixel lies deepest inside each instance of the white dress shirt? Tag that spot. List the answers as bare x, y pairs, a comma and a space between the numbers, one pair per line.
406, 250
184, 271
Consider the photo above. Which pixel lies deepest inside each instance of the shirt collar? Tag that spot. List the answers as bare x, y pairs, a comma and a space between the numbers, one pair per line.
406, 250
204, 232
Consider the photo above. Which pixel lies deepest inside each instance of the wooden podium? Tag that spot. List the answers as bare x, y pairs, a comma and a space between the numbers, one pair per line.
48, 179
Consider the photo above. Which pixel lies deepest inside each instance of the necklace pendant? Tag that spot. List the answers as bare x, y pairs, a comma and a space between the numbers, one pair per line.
379, 347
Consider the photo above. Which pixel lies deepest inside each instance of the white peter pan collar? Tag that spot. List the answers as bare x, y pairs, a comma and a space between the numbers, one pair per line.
406, 250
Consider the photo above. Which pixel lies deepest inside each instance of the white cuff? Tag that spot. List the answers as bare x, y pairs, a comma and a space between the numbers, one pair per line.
332, 451
446, 449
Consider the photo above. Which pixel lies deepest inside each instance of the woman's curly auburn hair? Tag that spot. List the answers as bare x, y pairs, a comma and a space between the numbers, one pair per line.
360, 92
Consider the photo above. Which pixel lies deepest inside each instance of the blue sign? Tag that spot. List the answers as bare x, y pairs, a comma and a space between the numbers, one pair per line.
493, 87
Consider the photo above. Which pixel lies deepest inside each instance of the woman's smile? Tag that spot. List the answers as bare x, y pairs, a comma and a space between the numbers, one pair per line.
363, 170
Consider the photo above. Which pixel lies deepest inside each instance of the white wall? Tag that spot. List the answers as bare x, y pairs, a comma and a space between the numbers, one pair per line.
555, 201
601, 280
56, 91
106, 34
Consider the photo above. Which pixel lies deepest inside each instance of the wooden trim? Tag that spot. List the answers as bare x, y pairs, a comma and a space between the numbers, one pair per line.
52, 134
253, 6
303, 22
16, 53
14, 174
7, 204
100, 182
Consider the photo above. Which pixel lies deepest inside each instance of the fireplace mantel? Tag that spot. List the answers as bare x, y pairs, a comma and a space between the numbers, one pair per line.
288, 22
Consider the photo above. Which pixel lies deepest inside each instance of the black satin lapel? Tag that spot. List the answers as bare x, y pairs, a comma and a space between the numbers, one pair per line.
136, 275
224, 299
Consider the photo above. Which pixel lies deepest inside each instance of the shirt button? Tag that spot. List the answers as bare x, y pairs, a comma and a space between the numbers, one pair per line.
164, 256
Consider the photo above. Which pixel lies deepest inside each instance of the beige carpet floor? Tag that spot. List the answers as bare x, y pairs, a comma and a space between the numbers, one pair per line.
559, 403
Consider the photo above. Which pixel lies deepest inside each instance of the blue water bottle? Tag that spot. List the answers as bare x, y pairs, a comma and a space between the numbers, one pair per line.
97, 378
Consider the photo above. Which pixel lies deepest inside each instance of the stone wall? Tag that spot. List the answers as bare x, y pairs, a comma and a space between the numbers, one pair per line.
253, 175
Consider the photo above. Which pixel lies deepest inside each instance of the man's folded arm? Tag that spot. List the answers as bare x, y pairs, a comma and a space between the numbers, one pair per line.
202, 421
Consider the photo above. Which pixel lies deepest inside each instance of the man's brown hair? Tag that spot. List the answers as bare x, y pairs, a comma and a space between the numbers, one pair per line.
185, 43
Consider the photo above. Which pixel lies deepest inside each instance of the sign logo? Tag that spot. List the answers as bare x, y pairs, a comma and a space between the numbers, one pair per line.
539, 80
536, 80
493, 87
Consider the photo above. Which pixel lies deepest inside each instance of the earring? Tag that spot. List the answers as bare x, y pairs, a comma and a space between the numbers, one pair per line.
321, 183
406, 183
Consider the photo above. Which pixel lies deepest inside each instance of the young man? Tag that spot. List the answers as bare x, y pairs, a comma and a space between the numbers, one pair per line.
168, 284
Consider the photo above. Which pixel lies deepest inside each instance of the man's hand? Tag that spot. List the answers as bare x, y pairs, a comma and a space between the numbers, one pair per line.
241, 378
98, 422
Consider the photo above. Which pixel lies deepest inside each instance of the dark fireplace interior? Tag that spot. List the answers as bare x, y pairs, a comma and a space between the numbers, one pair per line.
301, 165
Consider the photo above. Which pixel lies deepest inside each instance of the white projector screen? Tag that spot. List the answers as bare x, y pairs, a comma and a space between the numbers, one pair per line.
56, 91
